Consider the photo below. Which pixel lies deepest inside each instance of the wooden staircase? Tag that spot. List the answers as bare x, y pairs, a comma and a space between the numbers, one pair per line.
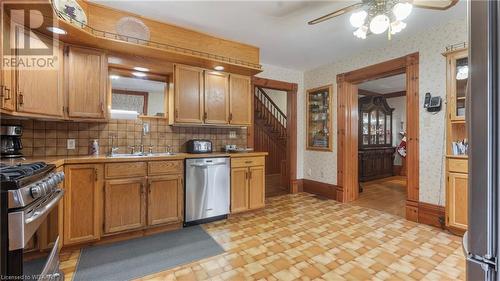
270, 132
268, 115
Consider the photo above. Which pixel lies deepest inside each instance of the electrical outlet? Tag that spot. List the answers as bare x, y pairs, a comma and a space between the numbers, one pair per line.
232, 134
71, 144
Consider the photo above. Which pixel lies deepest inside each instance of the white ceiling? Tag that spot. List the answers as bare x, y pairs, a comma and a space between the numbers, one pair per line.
279, 28
385, 85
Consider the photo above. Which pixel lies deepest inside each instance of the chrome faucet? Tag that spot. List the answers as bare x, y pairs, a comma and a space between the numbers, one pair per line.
112, 147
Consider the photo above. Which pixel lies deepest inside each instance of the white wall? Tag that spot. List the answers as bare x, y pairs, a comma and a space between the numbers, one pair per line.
279, 98
398, 116
431, 43
292, 76
156, 103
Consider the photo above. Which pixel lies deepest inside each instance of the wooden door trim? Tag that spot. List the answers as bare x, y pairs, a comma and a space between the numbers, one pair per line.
347, 187
291, 143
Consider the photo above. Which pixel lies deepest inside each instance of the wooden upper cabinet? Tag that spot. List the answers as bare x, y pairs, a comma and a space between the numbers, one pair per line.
216, 98
188, 94
86, 76
82, 203
240, 108
7, 91
40, 91
124, 204
165, 199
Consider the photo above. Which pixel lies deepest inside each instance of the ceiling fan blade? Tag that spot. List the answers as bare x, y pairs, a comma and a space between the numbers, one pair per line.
336, 13
434, 4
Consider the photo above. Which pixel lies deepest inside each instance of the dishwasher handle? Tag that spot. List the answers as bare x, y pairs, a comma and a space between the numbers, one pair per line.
205, 165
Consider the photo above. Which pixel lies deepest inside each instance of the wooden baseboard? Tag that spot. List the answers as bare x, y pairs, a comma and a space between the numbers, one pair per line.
296, 186
431, 214
319, 188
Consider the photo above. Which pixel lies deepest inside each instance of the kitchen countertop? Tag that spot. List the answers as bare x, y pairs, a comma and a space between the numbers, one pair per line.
61, 160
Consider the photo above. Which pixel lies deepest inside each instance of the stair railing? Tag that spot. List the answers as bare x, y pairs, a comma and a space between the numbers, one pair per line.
270, 111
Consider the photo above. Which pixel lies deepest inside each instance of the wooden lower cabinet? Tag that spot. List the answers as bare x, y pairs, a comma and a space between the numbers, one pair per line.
82, 203
256, 189
239, 190
457, 201
165, 199
247, 184
124, 204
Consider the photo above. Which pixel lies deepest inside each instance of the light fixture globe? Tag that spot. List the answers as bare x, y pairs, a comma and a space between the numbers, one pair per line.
358, 19
361, 32
402, 10
397, 26
379, 24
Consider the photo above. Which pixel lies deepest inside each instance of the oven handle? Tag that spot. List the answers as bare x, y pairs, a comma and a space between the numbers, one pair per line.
45, 209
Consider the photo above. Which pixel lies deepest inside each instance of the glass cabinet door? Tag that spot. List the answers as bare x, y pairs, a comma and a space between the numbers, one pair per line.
373, 127
388, 128
365, 128
319, 119
461, 78
381, 128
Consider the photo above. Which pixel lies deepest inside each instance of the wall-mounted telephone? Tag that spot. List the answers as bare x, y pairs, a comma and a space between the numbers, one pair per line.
432, 104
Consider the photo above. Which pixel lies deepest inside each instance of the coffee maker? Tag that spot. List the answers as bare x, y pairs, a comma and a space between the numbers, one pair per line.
11, 141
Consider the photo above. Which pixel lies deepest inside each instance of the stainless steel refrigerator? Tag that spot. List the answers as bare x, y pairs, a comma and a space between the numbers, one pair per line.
481, 239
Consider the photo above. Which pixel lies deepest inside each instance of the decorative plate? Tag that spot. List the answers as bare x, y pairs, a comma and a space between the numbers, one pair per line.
128, 27
71, 12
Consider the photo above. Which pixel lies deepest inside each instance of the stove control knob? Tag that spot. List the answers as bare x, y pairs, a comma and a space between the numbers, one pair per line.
36, 191
60, 176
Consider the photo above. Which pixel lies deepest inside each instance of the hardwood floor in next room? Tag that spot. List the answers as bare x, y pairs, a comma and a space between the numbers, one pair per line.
301, 237
387, 195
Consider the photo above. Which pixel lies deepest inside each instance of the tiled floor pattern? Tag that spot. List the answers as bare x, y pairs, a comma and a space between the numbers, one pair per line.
387, 195
301, 237
274, 187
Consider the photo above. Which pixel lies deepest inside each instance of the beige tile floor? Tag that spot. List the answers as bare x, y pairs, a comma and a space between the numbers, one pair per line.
301, 237
387, 195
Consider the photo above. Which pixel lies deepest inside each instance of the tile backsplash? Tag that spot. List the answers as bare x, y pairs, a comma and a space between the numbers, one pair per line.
49, 138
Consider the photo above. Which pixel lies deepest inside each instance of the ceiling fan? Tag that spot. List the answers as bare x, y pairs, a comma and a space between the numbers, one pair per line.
378, 16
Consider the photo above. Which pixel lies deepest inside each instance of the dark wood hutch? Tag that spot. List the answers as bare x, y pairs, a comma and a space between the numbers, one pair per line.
375, 153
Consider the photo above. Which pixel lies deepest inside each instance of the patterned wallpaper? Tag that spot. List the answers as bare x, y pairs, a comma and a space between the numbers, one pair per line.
321, 166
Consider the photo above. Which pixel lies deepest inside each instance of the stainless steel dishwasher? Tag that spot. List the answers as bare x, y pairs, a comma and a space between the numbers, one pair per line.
207, 192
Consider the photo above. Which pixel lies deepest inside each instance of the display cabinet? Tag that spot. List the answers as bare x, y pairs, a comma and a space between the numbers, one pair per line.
375, 122
319, 118
376, 154
456, 140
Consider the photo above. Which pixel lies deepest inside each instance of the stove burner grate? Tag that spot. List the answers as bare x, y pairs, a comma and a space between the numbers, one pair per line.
19, 171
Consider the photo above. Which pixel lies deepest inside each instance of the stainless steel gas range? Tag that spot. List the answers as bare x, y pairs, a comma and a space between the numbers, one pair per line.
29, 193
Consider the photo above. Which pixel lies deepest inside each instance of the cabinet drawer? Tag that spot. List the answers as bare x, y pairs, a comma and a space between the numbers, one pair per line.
247, 161
126, 169
458, 165
164, 167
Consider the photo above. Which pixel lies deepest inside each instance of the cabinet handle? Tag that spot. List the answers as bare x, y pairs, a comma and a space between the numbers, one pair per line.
250, 175
95, 174
176, 114
205, 115
21, 98
230, 117
248, 162
101, 104
7, 90
2, 91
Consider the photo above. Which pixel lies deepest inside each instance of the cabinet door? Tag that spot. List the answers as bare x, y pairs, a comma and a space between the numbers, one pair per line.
188, 94
82, 203
239, 190
240, 110
216, 98
457, 200
165, 199
86, 73
7, 90
256, 187
124, 201
40, 91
